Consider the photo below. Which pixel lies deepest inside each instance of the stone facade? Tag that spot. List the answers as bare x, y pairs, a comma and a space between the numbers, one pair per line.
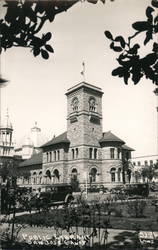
84, 153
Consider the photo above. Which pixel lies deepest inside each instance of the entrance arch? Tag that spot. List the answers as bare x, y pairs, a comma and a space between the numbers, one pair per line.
93, 175
56, 176
74, 174
48, 177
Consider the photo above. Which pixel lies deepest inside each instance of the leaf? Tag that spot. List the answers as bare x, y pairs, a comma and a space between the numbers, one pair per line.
117, 48
50, 12
149, 10
156, 28
156, 19
112, 45
155, 47
150, 59
44, 54
121, 40
108, 35
148, 36
49, 48
126, 77
118, 71
141, 26
36, 51
154, 3
136, 75
36, 41
47, 36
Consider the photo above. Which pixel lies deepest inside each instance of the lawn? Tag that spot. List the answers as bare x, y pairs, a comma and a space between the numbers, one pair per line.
126, 215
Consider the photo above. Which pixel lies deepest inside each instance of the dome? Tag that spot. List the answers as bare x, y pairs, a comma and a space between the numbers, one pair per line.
27, 142
34, 138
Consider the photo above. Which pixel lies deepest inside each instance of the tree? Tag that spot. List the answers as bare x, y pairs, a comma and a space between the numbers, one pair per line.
25, 19
149, 172
137, 175
25, 174
131, 64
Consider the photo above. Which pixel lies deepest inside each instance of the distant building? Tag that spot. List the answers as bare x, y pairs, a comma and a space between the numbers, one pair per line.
8, 161
141, 162
83, 153
30, 143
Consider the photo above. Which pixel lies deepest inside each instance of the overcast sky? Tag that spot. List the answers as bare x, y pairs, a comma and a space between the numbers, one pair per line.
37, 87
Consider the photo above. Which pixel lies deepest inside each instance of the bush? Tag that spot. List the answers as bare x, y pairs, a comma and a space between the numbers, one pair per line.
136, 208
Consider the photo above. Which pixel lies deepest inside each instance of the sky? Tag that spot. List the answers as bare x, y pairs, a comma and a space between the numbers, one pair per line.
37, 87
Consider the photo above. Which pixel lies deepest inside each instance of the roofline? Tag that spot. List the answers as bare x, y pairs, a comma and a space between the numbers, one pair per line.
84, 85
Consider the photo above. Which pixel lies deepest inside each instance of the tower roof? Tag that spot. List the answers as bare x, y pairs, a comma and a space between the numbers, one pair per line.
110, 137
36, 159
62, 138
127, 148
86, 86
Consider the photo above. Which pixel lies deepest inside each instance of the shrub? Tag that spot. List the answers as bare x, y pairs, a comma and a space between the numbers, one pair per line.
136, 208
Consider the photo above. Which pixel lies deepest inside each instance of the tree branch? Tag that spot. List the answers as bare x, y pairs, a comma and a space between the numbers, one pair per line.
131, 37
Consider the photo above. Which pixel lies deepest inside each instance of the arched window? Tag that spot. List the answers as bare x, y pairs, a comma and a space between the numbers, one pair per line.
92, 104
92, 175
113, 174
75, 104
56, 176
48, 177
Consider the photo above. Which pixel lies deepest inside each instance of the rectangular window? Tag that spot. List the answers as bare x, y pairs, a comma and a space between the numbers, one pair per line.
73, 155
90, 152
146, 163
58, 155
118, 153
50, 157
76, 152
112, 150
54, 155
95, 153
47, 156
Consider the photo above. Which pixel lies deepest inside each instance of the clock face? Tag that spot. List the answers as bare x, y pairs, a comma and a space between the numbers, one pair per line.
75, 104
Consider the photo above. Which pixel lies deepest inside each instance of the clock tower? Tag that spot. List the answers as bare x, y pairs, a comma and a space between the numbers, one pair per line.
84, 114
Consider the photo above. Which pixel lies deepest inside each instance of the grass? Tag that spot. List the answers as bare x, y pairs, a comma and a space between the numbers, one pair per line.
94, 215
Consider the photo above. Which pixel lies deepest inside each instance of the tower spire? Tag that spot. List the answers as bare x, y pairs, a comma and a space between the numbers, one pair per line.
83, 70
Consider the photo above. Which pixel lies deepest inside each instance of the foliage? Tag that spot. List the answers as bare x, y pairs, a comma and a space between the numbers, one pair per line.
25, 19
132, 65
136, 208
137, 175
149, 172
6, 231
